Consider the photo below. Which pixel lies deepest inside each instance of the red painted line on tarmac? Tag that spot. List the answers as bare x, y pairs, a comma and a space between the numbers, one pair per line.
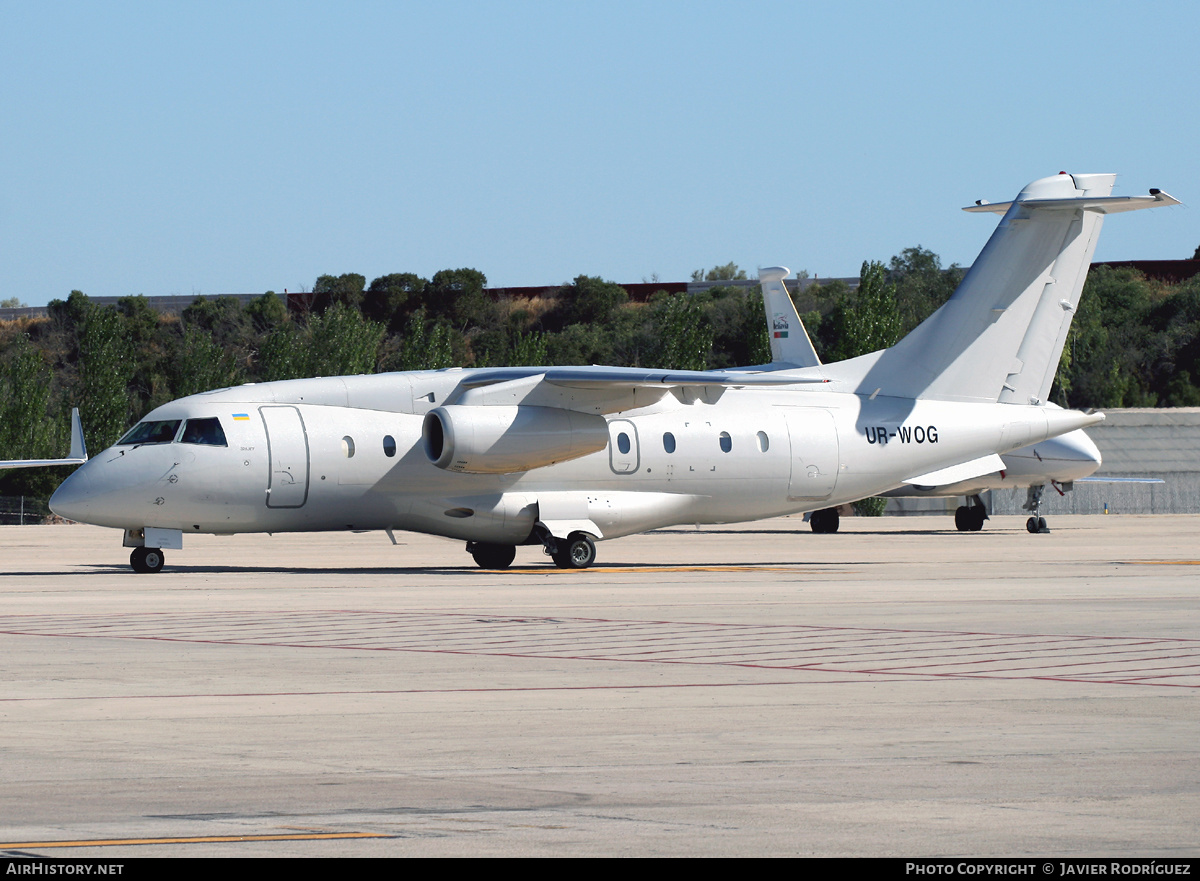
479, 690
844, 651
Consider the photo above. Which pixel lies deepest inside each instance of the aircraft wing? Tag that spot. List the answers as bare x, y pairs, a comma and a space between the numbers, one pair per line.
956, 473
608, 389
77, 456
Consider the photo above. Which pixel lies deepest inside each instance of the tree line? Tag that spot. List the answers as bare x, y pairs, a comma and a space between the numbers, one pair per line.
1134, 342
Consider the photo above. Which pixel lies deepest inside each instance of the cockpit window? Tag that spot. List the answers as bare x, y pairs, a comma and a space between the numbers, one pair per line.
204, 431
151, 433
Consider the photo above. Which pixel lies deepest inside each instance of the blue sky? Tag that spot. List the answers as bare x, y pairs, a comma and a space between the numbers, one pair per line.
207, 148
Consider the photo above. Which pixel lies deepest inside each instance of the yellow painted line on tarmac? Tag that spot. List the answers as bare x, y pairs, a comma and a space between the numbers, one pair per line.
204, 839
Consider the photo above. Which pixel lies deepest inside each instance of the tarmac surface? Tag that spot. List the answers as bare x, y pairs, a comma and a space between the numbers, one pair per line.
897, 689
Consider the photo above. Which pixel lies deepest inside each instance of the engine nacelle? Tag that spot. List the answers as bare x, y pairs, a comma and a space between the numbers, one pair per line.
501, 440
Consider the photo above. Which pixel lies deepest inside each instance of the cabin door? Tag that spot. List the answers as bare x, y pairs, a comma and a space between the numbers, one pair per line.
815, 456
287, 447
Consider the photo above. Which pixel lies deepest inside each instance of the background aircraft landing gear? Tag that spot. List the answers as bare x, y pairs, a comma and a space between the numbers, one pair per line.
147, 560
577, 552
1033, 503
824, 521
969, 518
490, 556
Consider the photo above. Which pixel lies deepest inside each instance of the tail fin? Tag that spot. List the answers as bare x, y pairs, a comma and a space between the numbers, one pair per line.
1000, 336
790, 345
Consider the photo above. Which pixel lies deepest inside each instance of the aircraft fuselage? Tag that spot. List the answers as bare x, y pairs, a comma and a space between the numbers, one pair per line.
296, 460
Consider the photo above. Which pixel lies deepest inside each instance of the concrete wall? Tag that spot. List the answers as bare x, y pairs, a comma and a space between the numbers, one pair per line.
1140, 444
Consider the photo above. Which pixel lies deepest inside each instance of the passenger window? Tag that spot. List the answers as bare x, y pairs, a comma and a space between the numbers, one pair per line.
764, 442
726, 442
348, 446
389, 446
204, 431
623, 442
151, 433
669, 442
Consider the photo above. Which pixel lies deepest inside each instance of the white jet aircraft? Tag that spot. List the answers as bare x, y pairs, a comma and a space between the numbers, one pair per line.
565, 456
1057, 461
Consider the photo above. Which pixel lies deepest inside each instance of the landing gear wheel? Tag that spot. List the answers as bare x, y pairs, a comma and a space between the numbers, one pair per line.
976, 514
146, 560
577, 552
490, 556
962, 518
1033, 504
826, 520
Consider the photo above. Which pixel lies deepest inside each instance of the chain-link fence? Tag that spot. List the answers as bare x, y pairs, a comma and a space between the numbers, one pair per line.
24, 510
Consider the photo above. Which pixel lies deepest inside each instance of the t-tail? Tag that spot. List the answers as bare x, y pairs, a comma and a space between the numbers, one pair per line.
1000, 336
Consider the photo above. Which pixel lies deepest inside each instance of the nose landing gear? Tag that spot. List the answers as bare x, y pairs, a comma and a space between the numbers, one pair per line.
1033, 504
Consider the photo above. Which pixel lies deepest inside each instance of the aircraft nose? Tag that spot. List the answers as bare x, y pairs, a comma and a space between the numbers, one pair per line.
70, 500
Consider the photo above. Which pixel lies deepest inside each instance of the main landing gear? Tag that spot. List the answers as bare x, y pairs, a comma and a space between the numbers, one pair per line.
969, 518
1033, 504
147, 560
576, 551
824, 521
490, 556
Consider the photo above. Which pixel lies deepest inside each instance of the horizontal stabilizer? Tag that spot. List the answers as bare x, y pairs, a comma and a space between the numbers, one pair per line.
957, 473
1100, 204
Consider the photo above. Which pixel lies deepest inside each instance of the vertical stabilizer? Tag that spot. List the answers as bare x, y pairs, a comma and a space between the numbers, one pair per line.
1000, 336
790, 344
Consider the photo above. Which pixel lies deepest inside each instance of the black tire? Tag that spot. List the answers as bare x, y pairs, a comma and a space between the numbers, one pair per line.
147, 560
577, 552
975, 517
1042, 527
825, 521
489, 556
962, 518
1032, 524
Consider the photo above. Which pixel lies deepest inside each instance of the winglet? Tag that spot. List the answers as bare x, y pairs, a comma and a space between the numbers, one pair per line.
78, 447
77, 456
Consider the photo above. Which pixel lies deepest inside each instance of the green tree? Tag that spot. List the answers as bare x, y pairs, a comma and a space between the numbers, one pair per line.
921, 284
341, 342
281, 355
267, 312
25, 430
330, 290
587, 300
867, 320
425, 345
684, 334
106, 366
459, 296
390, 298
202, 365
728, 272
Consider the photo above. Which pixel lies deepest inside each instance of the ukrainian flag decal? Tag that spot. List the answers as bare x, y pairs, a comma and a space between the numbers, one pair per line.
241, 417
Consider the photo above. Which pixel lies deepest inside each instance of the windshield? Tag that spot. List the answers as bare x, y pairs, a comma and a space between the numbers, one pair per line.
151, 433
204, 431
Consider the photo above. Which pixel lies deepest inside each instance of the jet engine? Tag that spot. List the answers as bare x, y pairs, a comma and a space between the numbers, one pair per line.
501, 440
